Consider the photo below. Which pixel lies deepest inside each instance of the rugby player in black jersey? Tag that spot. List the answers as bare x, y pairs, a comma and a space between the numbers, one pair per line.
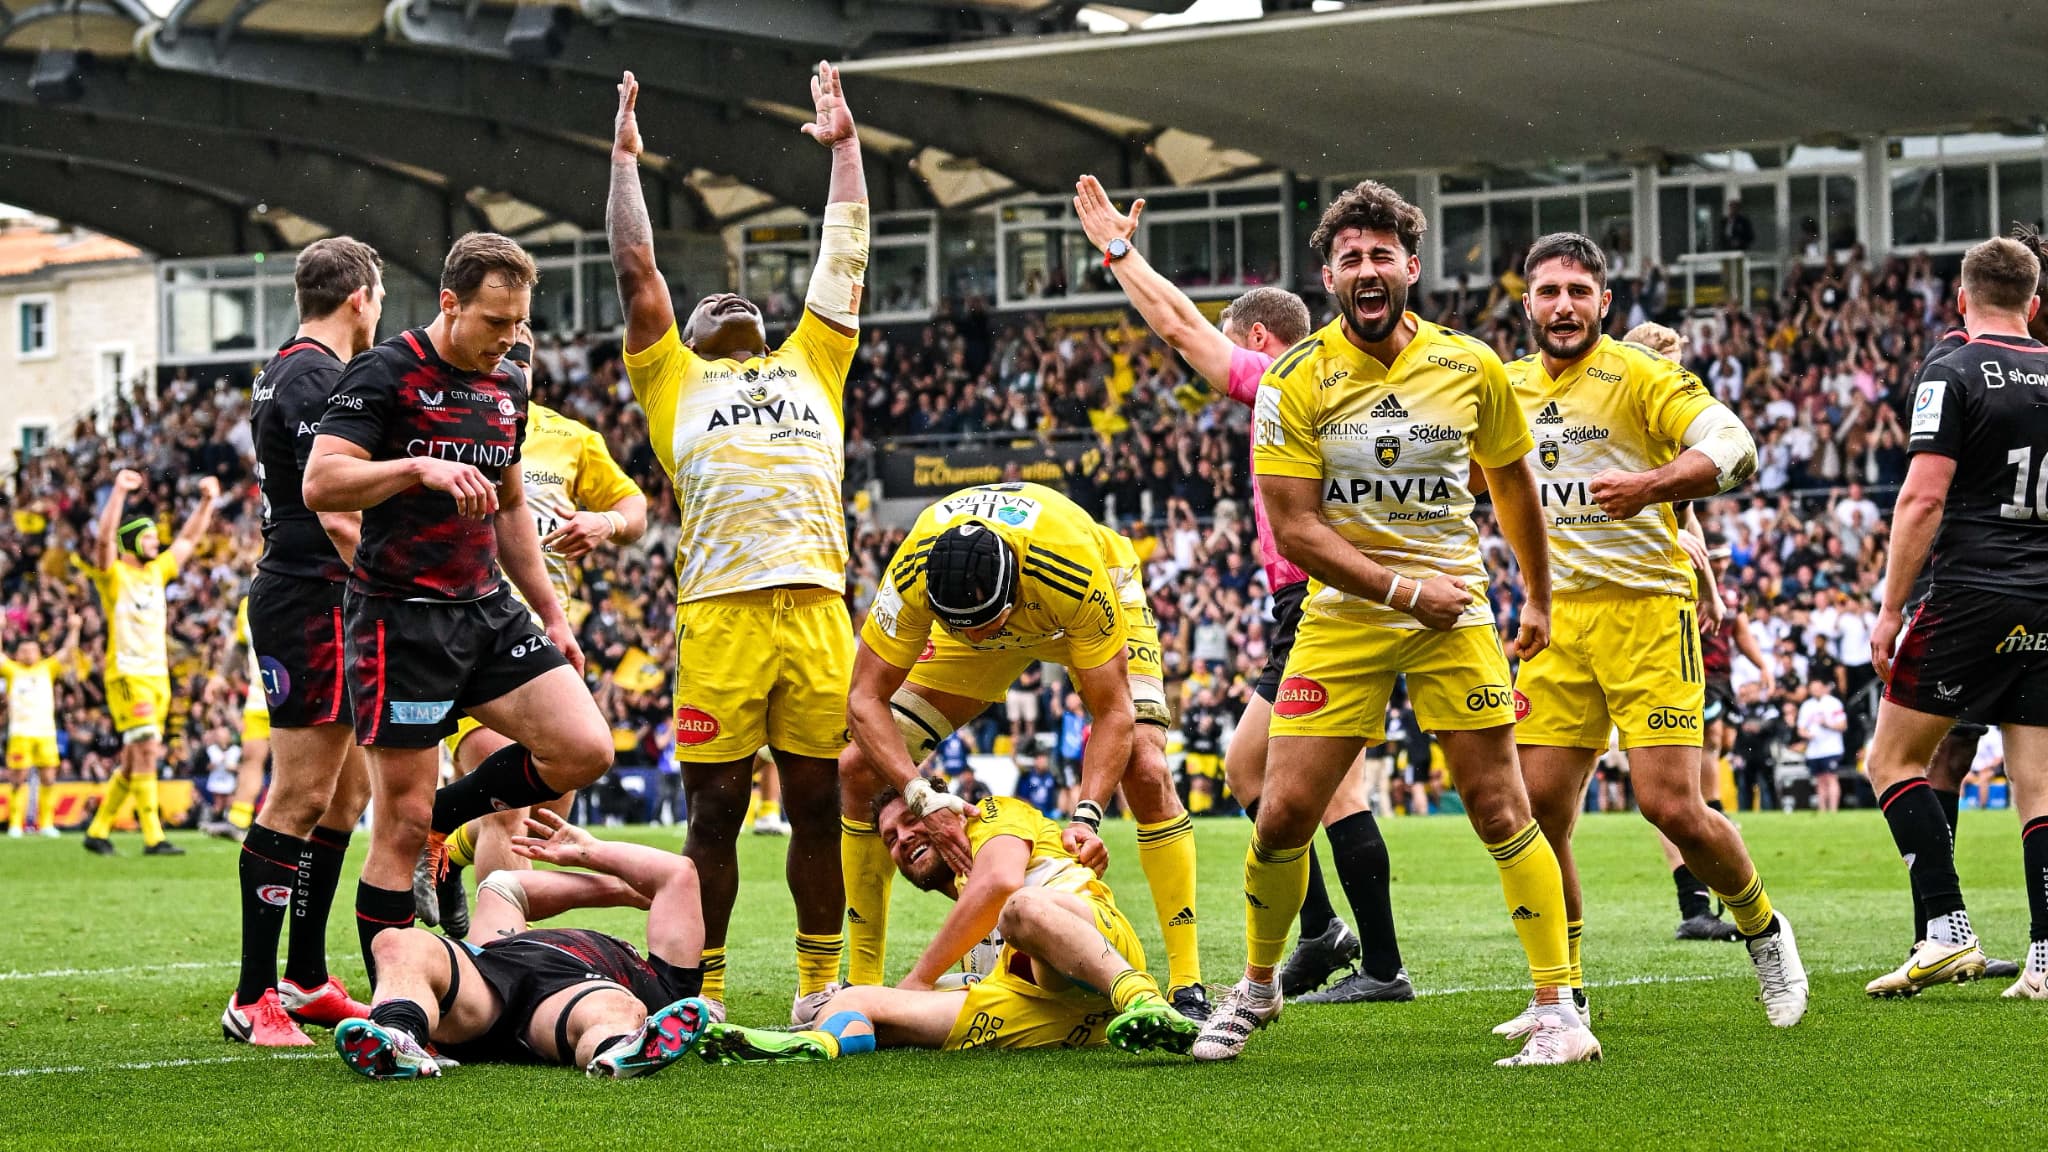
423, 436
1975, 499
291, 858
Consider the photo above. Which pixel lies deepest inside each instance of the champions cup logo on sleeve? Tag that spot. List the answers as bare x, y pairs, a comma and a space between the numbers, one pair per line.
695, 726
1927, 408
1299, 696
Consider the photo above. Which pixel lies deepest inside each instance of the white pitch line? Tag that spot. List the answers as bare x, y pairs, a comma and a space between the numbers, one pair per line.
128, 970
152, 1065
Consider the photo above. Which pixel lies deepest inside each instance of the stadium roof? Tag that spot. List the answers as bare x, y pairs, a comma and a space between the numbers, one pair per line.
232, 125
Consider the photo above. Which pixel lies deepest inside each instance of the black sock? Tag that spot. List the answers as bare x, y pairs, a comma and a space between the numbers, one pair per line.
1316, 912
1922, 836
506, 779
1951, 809
1693, 899
305, 959
681, 983
402, 1014
1365, 871
2034, 852
269, 871
378, 909
1714, 802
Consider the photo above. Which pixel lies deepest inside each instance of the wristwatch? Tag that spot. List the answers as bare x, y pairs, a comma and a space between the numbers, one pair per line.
1116, 250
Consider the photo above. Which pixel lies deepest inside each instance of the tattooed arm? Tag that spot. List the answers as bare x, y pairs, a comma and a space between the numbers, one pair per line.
642, 291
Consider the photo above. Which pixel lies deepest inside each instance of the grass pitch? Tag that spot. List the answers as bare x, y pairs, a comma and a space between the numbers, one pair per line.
113, 974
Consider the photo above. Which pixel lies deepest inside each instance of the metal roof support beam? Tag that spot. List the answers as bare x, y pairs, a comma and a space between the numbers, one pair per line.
1037, 147
823, 25
411, 223
148, 210
760, 150
561, 177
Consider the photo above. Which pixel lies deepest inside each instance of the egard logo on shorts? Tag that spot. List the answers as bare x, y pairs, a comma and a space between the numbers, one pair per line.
1299, 696
1521, 706
1488, 696
419, 711
2021, 640
695, 726
277, 895
1673, 720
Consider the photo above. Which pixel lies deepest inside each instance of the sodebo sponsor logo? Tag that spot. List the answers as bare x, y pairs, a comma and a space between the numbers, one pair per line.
1673, 720
1299, 696
695, 726
1488, 696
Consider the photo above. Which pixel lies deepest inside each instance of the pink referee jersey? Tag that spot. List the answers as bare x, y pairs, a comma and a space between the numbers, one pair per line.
1246, 367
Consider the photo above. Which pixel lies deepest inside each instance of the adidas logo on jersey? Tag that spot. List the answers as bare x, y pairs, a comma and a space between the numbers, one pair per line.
1522, 912
1550, 414
1389, 408
1185, 918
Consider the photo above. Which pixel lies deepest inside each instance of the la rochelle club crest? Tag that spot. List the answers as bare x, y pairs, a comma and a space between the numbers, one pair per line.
1547, 453
1387, 449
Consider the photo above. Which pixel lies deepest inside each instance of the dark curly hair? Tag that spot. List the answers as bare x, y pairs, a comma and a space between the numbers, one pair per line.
1370, 206
2025, 234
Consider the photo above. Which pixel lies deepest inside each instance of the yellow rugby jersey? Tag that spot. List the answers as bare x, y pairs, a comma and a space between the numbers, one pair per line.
756, 452
1051, 866
254, 700
1067, 591
565, 466
1620, 407
1391, 446
31, 697
132, 600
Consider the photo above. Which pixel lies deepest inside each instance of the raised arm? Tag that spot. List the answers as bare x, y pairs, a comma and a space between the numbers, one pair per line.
836, 285
107, 532
195, 526
1166, 309
649, 311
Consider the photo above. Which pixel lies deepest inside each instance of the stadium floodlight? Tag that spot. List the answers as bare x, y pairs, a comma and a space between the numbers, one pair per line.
59, 76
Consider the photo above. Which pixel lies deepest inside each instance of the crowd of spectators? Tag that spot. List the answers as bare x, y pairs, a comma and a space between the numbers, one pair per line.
1819, 373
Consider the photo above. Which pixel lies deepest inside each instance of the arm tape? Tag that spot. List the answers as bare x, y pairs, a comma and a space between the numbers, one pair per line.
1718, 435
835, 289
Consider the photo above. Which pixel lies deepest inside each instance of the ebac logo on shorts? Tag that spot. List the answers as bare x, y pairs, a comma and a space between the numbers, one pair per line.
695, 726
1299, 696
1673, 720
1521, 706
1487, 696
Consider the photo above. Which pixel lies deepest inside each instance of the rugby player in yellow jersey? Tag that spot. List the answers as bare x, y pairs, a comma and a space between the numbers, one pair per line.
255, 737
1364, 438
31, 680
753, 441
989, 581
130, 569
581, 499
1620, 433
1071, 972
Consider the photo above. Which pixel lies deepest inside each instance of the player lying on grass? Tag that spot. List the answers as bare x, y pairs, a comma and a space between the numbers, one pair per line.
1070, 962
554, 995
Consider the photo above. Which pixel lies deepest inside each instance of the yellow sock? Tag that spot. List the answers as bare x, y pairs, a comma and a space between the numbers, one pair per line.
110, 806
462, 845
17, 807
1534, 887
1751, 907
714, 974
146, 809
1199, 802
1573, 929
868, 872
770, 810
817, 961
1132, 986
826, 1039
46, 806
1275, 881
242, 814
753, 809
1166, 851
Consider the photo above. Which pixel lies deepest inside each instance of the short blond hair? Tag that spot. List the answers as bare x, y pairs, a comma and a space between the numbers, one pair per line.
1657, 338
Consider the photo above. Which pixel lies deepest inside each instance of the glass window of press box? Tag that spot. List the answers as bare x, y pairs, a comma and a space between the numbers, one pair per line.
1213, 241
1948, 192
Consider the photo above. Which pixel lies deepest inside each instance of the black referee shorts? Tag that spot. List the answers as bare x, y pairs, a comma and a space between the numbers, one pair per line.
413, 664
1286, 622
295, 628
1975, 656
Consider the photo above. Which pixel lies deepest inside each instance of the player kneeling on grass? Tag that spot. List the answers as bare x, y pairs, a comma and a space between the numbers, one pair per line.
511, 993
1070, 962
